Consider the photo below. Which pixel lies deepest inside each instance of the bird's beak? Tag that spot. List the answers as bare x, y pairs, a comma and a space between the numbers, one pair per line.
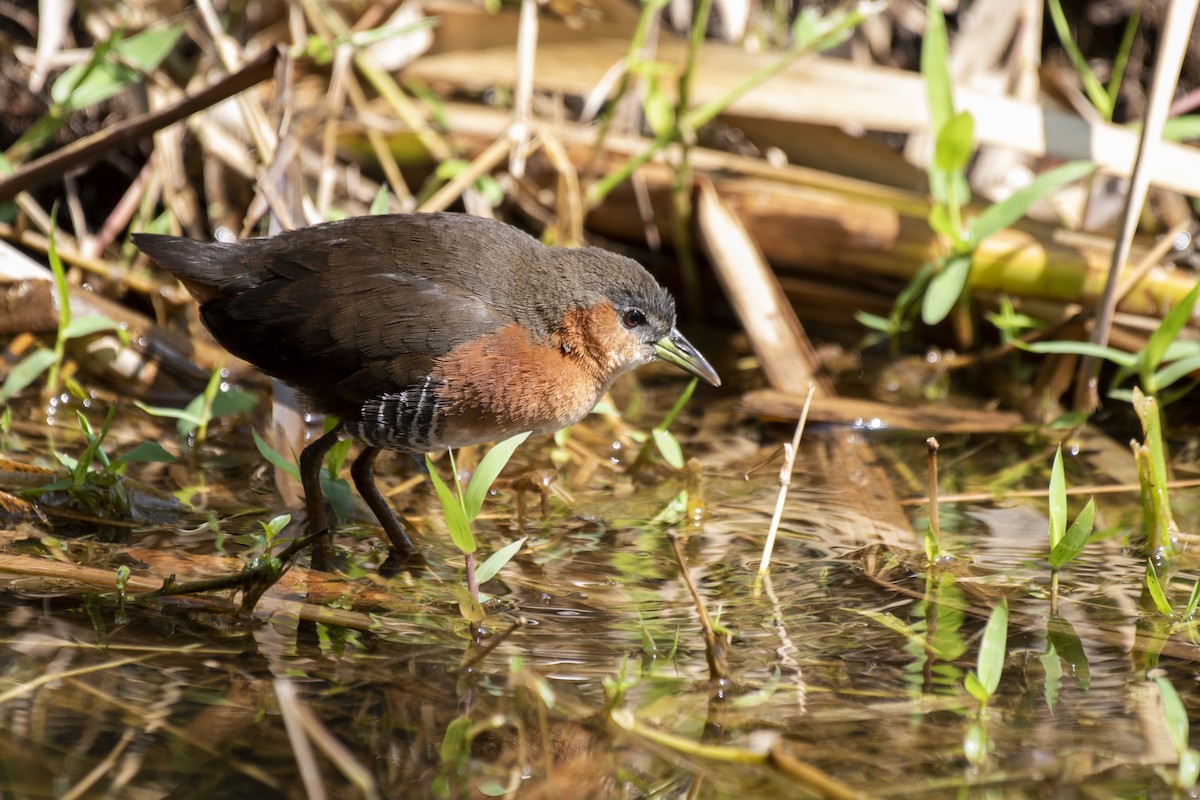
679, 351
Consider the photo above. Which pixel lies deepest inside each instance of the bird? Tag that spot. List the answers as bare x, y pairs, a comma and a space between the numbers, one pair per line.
426, 331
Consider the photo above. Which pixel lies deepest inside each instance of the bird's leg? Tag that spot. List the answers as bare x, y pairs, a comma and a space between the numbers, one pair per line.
364, 481
314, 499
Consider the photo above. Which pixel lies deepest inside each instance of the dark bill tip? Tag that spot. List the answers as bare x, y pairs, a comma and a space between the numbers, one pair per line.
679, 351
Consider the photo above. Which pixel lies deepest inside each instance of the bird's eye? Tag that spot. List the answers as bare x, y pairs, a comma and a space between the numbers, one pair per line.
633, 318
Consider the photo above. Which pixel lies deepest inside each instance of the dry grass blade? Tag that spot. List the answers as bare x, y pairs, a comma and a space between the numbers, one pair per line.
304, 729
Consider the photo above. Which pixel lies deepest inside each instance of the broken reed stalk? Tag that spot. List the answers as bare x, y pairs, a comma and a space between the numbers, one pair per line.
935, 527
785, 481
714, 649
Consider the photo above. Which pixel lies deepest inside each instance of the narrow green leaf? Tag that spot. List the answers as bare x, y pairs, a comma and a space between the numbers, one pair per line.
1057, 501
1189, 768
26, 372
171, 413
1005, 213
1077, 536
86, 326
147, 453
1193, 601
496, 561
337, 492
945, 289
274, 458
1158, 592
993, 648
935, 68
1174, 713
118, 66
486, 473
955, 143
380, 204
92, 451
975, 688
1118, 357
1092, 86
452, 511
1167, 331
669, 446
230, 402
940, 223
873, 321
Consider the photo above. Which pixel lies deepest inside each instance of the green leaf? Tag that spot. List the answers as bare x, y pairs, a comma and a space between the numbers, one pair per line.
92, 451
1174, 713
975, 688
229, 402
496, 561
945, 289
86, 326
659, 111
115, 67
1118, 357
1057, 500
1193, 601
486, 473
940, 222
171, 413
1167, 331
1096, 92
274, 458
873, 321
1003, 214
1182, 129
147, 453
1158, 592
1077, 536
668, 445
26, 372
452, 511
935, 67
955, 143
337, 492
993, 648
380, 204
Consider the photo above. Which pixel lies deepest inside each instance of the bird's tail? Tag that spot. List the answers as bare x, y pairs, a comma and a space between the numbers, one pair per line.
209, 270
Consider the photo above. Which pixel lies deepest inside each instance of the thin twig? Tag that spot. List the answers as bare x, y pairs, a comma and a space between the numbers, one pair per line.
935, 526
785, 481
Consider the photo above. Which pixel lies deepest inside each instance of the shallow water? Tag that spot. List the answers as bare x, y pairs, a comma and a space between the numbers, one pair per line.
850, 661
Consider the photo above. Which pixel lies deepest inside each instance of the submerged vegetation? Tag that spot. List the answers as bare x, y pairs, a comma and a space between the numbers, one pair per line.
697, 602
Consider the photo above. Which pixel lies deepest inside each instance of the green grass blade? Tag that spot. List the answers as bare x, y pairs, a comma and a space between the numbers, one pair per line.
274, 458
945, 289
1076, 537
26, 372
1158, 592
496, 561
1164, 335
486, 473
452, 511
1005, 213
1058, 501
935, 70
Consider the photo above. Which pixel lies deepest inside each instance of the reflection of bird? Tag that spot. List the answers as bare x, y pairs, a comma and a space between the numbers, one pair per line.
427, 331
